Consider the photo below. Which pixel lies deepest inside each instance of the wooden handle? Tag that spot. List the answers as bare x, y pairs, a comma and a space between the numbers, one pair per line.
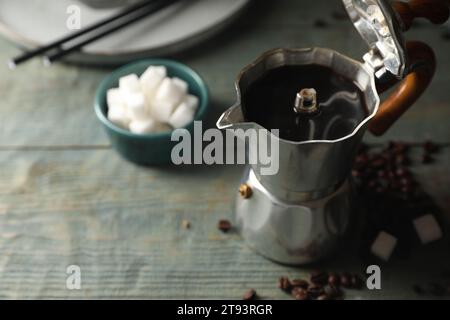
423, 66
437, 11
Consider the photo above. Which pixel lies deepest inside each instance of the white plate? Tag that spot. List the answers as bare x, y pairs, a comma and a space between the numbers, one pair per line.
31, 23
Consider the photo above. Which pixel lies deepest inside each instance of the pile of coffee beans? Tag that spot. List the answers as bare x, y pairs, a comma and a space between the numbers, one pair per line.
386, 171
391, 198
321, 285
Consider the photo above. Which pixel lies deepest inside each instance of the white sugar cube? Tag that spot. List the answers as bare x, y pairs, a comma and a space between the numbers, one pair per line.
182, 116
114, 98
136, 106
191, 102
143, 126
151, 79
118, 116
384, 245
427, 228
169, 93
180, 83
128, 85
162, 111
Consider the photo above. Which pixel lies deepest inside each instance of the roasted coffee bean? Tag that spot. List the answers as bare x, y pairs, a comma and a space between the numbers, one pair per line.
402, 160
284, 284
407, 190
300, 283
249, 295
427, 158
319, 277
378, 162
402, 172
356, 282
372, 184
362, 159
334, 279
430, 147
224, 225
299, 293
356, 174
333, 292
382, 174
345, 280
315, 291
399, 148
407, 181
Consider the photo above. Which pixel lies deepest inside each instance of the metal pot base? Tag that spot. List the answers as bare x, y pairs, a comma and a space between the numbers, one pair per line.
292, 233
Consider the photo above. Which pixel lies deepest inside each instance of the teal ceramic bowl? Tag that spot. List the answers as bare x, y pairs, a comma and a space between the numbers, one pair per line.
148, 149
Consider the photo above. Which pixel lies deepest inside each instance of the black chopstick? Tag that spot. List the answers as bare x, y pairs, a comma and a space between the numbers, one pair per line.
155, 6
56, 44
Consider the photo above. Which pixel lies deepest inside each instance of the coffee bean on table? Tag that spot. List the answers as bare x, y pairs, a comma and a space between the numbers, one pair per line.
315, 291
427, 158
249, 295
333, 292
300, 283
299, 293
319, 277
224, 225
402, 160
430, 147
356, 282
345, 280
284, 284
334, 279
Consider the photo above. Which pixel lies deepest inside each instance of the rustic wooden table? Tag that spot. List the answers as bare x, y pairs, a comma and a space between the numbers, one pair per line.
67, 198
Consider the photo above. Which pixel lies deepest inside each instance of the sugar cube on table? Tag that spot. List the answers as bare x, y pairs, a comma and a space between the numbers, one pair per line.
128, 85
136, 107
427, 228
182, 116
118, 115
151, 80
384, 245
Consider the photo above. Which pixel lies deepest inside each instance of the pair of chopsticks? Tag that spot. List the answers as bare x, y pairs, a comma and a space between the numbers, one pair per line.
62, 47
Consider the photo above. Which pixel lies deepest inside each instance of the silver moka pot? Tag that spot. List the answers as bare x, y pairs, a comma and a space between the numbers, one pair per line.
301, 213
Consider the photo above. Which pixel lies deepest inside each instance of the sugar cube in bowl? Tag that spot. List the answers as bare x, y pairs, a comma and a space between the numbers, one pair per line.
137, 128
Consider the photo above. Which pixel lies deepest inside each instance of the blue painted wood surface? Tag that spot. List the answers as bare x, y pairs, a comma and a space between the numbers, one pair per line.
67, 198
